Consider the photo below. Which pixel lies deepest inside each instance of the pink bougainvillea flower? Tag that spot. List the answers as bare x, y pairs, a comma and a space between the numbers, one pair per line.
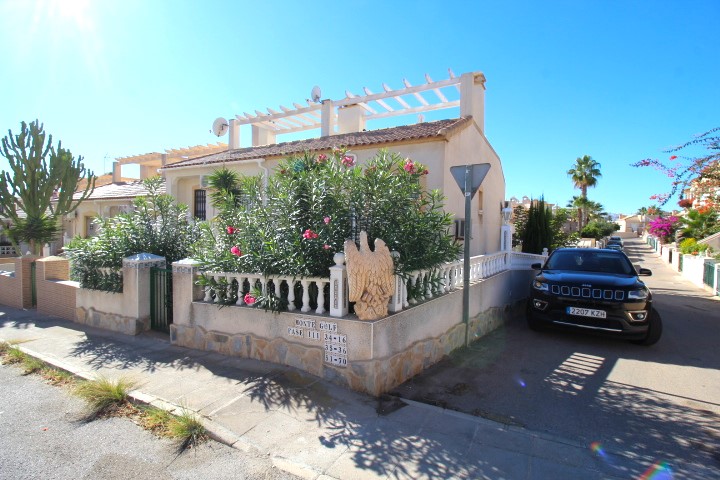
326, 220
231, 230
425, 172
326, 247
309, 234
321, 158
235, 250
348, 161
249, 299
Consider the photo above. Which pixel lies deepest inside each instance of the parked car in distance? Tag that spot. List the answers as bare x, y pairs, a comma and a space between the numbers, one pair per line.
614, 246
616, 239
593, 290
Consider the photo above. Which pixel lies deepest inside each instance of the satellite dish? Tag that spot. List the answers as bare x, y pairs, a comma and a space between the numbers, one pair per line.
315, 94
220, 126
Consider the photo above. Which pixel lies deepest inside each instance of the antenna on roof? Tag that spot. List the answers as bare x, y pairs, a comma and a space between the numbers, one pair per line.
315, 94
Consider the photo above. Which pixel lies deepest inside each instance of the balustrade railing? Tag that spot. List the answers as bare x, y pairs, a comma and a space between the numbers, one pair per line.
7, 251
230, 288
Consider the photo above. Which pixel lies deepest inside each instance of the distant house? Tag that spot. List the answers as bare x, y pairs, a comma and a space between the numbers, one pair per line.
704, 191
635, 223
116, 196
343, 123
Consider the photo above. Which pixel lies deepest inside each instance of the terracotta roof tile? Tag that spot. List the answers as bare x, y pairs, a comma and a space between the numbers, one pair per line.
119, 191
437, 129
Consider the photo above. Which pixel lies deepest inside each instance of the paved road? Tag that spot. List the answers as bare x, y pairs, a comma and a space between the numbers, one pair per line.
42, 436
657, 404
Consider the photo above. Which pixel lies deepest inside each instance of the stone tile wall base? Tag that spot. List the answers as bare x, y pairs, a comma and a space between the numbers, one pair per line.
374, 377
112, 321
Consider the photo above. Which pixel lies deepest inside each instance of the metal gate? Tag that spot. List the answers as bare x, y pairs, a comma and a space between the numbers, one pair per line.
709, 273
33, 284
161, 296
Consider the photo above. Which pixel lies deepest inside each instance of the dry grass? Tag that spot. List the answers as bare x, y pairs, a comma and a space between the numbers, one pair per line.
104, 396
108, 398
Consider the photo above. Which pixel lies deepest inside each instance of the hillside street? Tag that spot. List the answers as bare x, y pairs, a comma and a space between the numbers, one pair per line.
659, 403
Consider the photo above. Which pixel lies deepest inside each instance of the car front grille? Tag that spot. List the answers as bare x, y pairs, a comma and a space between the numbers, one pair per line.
586, 292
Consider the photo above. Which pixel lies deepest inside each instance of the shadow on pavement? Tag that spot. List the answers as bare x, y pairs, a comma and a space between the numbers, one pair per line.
590, 388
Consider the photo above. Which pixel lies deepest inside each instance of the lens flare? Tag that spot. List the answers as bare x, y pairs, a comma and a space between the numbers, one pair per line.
597, 449
657, 471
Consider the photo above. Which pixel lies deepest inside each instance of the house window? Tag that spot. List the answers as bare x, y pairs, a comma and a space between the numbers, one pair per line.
199, 209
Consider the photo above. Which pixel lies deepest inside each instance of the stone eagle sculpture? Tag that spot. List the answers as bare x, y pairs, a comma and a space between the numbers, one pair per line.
371, 278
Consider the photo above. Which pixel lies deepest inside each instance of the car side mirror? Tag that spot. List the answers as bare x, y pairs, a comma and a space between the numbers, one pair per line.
536, 266
645, 272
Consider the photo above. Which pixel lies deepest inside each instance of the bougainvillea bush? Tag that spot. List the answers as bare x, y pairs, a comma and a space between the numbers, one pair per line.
664, 227
311, 204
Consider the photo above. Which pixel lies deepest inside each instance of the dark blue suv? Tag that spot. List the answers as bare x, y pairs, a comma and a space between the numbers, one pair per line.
593, 290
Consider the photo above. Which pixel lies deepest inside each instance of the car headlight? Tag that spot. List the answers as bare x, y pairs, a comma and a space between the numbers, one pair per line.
637, 294
538, 285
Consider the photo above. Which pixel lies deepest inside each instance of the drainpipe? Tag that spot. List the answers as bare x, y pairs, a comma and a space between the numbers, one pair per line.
266, 172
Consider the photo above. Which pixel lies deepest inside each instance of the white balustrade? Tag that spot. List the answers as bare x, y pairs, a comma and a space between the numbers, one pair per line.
427, 283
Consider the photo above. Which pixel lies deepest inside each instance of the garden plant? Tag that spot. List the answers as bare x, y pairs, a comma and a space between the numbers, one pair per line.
295, 222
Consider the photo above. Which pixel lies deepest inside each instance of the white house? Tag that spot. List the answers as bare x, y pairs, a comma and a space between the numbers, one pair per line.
343, 123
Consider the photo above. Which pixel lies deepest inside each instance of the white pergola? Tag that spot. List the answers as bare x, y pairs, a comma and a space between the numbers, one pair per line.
411, 99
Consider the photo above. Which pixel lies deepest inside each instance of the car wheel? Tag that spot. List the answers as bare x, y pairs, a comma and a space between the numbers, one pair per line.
654, 330
532, 322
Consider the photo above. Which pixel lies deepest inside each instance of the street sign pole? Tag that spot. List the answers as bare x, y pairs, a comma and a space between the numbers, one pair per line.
466, 251
468, 178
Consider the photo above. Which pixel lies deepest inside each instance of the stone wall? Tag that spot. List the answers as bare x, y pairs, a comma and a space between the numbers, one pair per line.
127, 312
367, 356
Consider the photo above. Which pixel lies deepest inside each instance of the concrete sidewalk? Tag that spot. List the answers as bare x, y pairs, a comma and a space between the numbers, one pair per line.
307, 426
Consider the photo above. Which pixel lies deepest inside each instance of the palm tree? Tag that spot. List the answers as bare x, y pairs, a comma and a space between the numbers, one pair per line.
584, 174
579, 204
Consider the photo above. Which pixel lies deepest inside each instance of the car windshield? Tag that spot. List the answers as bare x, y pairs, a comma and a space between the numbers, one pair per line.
589, 261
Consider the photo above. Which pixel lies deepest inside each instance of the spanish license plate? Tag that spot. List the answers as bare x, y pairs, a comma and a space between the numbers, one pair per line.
586, 312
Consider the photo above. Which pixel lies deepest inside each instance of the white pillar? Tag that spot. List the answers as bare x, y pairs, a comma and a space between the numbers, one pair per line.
338, 287
262, 136
327, 122
472, 97
396, 301
351, 119
234, 135
116, 172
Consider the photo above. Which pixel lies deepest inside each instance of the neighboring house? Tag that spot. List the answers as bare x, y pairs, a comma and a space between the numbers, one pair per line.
342, 123
635, 223
705, 191
110, 198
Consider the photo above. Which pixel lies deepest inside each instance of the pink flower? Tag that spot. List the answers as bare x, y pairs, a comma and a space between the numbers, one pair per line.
231, 230
326, 220
309, 234
235, 250
249, 299
673, 157
409, 166
425, 172
326, 247
348, 161
322, 158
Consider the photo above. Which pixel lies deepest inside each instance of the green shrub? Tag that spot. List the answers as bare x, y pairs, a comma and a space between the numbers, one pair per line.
311, 205
690, 246
157, 226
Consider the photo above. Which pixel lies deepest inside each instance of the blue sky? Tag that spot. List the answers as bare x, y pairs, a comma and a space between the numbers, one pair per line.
618, 80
